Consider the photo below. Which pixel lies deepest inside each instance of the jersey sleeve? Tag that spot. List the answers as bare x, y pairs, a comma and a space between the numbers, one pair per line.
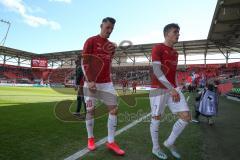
88, 47
87, 60
156, 53
91, 64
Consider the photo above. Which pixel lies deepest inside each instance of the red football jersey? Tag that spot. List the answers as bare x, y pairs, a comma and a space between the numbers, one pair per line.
124, 83
169, 59
134, 84
97, 59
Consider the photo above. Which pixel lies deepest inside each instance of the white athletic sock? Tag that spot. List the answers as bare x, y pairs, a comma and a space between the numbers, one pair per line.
178, 127
89, 126
154, 126
112, 125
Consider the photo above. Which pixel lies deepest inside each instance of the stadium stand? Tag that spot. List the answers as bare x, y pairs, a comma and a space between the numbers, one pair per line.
61, 75
141, 73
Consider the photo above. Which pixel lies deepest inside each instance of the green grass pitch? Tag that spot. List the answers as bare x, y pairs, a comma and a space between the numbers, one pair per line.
30, 128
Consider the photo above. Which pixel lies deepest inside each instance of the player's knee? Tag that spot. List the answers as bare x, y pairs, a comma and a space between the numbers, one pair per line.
185, 116
156, 117
90, 114
90, 111
114, 111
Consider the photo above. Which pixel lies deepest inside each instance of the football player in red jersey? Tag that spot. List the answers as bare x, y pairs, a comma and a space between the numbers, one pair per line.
97, 55
166, 92
134, 86
124, 85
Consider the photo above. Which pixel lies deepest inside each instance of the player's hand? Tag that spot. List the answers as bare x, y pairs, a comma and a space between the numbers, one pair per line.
175, 95
92, 86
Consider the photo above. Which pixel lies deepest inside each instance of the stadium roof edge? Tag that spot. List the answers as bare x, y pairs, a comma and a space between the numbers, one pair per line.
15, 52
225, 26
183, 47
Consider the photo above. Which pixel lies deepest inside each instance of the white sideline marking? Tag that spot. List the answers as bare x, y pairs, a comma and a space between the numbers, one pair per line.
84, 151
233, 98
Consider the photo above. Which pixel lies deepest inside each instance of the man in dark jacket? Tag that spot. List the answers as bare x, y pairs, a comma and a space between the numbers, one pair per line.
79, 82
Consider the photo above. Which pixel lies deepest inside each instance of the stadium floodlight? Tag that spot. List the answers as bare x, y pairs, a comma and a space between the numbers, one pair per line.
5, 36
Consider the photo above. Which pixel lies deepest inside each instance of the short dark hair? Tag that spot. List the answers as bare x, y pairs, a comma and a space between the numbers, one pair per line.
109, 19
78, 60
170, 26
